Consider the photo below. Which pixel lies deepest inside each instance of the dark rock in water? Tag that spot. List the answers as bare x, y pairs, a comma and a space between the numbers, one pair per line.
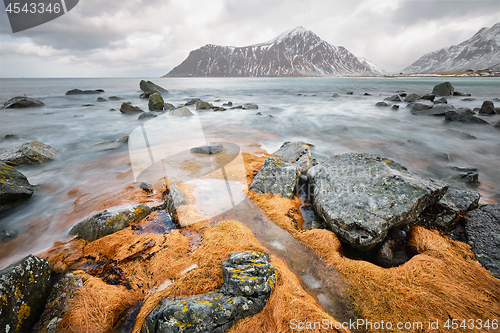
461, 135
276, 176
150, 88
382, 104
129, 108
218, 108
394, 98
458, 93
298, 153
168, 106
441, 100
148, 114
483, 228
391, 253
214, 148
249, 279
443, 89
437, 110
160, 225
487, 108
105, 223
24, 287
156, 102
362, 196
250, 106
88, 105
58, 302
412, 97
14, 187
11, 137
181, 112
29, 153
201, 105
228, 104
22, 102
460, 200
464, 118
258, 114
367, 94
496, 99
422, 105
465, 111
468, 176
350, 93
428, 97
192, 101
101, 99
174, 200
115, 98
335, 95
395, 107
84, 92
146, 187
7, 235
497, 124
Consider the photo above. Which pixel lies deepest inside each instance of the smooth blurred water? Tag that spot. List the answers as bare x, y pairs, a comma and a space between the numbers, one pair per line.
349, 123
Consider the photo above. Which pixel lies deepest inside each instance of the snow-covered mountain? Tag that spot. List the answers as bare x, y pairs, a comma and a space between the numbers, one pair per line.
373, 67
297, 52
479, 52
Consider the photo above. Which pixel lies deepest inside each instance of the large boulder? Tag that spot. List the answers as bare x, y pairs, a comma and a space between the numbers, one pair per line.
464, 118
487, 108
156, 102
84, 92
298, 153
362, 196
150, 88
248, 281
421, 105
443, 89
29, 153
276, 176
22, 102
437, 110
107, 222
58, 303
482, 229
24, 287
129, 108
14, 187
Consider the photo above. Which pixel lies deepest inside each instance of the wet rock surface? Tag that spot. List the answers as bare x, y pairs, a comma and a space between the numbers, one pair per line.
156, 102
212, 149
362, 196
14, 187
105, 223
276, 176
420, 106
487, 108
443, 89
24, 287
464, 118
29, 153
175, 199
129, 108
299, 153
249, 279
22, 102
482, 229
58, 303
150, 88
148, 114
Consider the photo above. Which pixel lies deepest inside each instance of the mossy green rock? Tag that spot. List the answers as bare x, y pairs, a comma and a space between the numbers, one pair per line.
107, 222
362, 196
156, 102
248, 282
443, 89
24, 287
29, 153
14, 187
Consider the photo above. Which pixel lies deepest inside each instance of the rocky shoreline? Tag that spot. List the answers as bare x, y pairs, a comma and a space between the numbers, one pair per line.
390, 233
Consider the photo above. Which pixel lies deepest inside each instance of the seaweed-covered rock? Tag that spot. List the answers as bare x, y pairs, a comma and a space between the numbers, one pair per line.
58, 303
251, 280
483, 228
22, 102
129, 108
29, 153
276, 176
298, 153
362, 196
156, 102
150, 88
212, 149
443, 89
14, 187
107, 222
24, 287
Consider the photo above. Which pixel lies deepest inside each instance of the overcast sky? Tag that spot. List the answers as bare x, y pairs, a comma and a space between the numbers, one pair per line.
134, 38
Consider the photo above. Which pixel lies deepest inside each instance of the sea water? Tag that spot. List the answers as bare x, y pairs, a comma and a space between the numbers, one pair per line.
290, 109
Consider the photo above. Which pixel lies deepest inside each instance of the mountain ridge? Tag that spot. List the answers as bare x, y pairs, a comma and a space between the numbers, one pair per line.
295, 52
